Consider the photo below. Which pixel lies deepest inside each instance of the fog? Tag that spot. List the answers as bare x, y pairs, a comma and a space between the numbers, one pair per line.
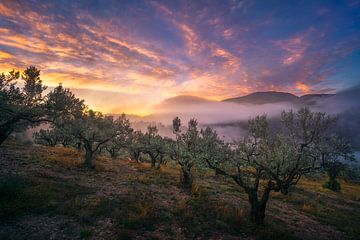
343, 101
211, 112
229, 119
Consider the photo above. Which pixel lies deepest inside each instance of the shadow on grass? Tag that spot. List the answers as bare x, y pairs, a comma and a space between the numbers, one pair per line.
203, 215
21, 196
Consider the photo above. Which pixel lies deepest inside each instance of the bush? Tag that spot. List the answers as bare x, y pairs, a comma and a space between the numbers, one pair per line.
332, 185
85, 234
351, 174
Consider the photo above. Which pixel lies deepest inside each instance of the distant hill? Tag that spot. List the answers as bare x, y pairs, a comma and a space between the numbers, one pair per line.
257, 98
276, 97
184, 100
265, 97
312, 99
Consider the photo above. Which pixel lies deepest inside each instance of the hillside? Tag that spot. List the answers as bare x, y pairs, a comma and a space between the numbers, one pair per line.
312, 99
47, 194
277, 97
265, 97
184, 99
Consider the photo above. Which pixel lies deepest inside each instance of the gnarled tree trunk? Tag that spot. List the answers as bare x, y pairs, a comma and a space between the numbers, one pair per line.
4, 133
89, 155
258, 207
113, 153
153, 158
136, 155
332, 184
88, 159
186, 177
161, 161
79, 146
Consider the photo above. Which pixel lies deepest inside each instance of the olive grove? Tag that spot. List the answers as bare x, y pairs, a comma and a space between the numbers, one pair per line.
271, 157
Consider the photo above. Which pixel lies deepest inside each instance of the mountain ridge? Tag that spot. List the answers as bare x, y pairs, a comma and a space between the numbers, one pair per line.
276, 97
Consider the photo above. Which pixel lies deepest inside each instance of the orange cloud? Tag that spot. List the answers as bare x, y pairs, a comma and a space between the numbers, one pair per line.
232, 63
211, 86
5, 55
304, 88
136, 48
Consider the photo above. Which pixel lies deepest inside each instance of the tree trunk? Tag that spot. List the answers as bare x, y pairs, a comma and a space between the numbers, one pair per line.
153, 159
7, 128
160, 162
186, 178
4, 134
332, 184
78, 146
217, 173
88, 158
153, 162
113, 153
136, 156
257, 212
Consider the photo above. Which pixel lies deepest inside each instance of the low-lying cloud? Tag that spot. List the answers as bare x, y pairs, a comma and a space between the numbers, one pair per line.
212, 112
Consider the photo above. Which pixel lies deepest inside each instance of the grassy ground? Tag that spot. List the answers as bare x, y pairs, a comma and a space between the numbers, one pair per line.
46, 194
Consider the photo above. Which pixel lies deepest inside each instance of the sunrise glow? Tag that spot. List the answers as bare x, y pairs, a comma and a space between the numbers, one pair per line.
141, 53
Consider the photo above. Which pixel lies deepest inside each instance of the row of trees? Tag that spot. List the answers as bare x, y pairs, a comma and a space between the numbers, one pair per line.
271, 157
27, 106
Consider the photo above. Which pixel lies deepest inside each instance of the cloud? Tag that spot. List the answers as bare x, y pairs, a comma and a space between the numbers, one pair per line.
228, 33
192, 40
232, 62
215, 50
295, 48
302, 87
5, 55
213, 112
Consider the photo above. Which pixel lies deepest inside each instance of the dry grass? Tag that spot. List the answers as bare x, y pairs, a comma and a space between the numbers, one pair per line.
340, 210
123, 199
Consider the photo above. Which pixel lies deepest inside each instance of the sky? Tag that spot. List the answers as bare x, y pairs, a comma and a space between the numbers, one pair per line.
128, 56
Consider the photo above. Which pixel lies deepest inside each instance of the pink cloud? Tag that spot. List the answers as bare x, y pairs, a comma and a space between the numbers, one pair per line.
295, 48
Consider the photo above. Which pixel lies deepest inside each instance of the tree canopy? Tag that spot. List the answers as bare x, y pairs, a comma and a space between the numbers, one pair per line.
27, 106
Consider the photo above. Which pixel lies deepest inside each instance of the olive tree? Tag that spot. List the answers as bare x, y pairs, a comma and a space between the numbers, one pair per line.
46, 138
23, 107
154, 146
335, 154
54, 136
122, 139
135, 145
186, 150
269, 159
94, 130
62, 106
27, 106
